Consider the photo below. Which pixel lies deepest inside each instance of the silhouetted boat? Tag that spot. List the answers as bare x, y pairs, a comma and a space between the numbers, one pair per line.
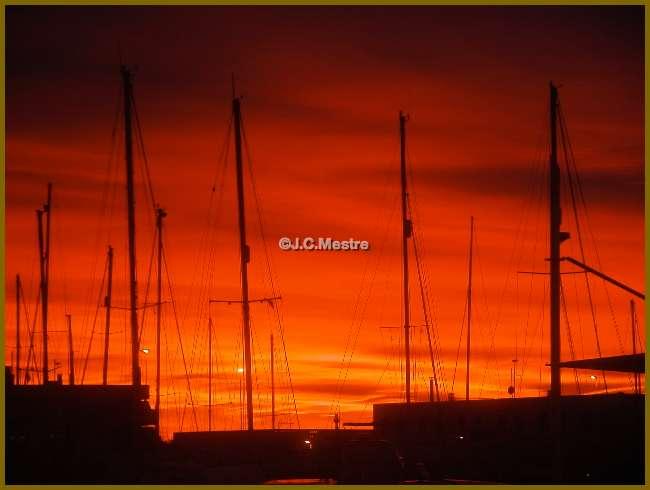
572, 439
71, 433
105, 433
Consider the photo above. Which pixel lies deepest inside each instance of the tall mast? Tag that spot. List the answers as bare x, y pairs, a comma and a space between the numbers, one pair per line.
469, 304
556, 238
130, 196
17, 329
107, 304
160, 215
210, 374
44, 251
41, 263
245, 257
70, 351
406, 233
272, 386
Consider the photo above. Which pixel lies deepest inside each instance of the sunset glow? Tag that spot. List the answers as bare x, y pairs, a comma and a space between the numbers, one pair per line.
322, 89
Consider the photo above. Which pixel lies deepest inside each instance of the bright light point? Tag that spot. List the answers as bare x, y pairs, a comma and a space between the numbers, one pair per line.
592, 376
145, 350
240, 370
307, 442
460, 437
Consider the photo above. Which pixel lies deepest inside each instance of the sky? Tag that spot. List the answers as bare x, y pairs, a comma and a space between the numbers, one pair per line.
321, 91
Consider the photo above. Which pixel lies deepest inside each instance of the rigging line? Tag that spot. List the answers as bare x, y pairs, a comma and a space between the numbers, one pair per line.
145, 160
170, 373
579, 315
274, 289
584, 204
21, 292
460, 339
564, 138
62, 260
540, 327
104, 205
491, 334
417, 242
31, 333
426, 315
517, 315
31, 353
178, 330
335, 401
358, 330
206, 252
422, 272
256, 369
354, 332
148, 286
125, 321
92, 332
217, 182
218, 361
531, 206
518, 237
335, 405
593, 239
385, 343
352, 338
538, 200
569, 336
638, 338
112, 183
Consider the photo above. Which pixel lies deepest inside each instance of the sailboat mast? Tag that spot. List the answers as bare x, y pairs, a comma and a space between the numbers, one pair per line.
107, 304
160, 215
406, 233
41, 260
17, 329
556, 237
469, 304
245, 257
272, 386
44, 254
130, 195
70, 351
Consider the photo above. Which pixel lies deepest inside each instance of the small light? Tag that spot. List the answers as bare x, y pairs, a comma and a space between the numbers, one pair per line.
592, 376
307, 442
460, 437
240, 370
145, 350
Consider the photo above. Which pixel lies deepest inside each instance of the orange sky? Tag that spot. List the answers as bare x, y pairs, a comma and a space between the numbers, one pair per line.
322, 88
